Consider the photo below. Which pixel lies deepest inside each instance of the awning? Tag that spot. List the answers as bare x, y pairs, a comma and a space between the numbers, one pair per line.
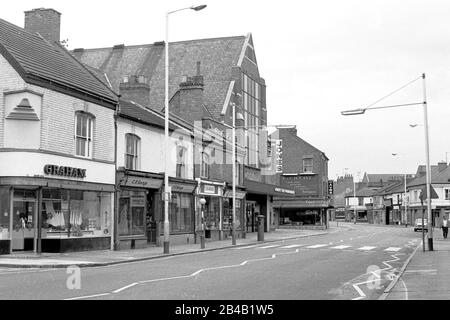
267, 189
301, 204
56, 183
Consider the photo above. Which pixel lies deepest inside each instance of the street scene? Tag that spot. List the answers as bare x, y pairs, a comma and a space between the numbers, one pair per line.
159, 152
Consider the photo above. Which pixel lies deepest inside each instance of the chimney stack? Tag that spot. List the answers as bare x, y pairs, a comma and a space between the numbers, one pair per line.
46, 22
135, 88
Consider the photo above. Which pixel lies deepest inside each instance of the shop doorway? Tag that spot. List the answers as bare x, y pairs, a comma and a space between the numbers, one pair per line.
252, 212
151, 219
24, 225
388, 215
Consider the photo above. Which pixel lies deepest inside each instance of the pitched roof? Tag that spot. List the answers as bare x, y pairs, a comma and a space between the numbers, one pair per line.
41, 63
134, 111
217, 56
437, 177
364, 192
385, 177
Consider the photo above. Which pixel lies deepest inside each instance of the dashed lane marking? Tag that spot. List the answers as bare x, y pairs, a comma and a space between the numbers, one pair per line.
317, 246
340, 247
366, 248
272, 246
292, 246
393, 249
247, 247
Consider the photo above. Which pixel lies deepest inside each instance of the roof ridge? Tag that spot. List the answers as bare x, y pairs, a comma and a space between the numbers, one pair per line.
153, 44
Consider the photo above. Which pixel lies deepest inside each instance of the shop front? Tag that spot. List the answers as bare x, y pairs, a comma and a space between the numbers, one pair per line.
227, 222
211, 211
49, 215
137, 206
305, 212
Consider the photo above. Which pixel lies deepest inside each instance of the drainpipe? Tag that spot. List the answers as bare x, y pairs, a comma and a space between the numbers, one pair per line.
115, 212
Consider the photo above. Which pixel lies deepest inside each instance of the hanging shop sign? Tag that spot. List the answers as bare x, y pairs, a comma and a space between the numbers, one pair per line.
62, 171
180, 187
139, 182
210, 189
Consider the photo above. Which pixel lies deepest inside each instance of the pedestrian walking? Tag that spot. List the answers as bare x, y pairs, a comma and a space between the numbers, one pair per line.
445, 227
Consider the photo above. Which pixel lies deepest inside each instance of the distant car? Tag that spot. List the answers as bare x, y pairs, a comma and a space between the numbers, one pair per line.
418, 224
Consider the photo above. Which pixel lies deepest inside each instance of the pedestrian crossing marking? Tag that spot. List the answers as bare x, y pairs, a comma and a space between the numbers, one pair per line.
317, 246
340, 247
272, 246
292, 246
366, 248
393, 249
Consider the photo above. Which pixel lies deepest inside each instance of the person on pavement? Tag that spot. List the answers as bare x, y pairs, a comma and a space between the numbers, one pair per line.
445, 227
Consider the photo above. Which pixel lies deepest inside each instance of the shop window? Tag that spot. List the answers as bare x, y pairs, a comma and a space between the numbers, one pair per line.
4, 213
212, 213
132, 151
132, 213
181, 162
84, 134
181, 213
75, 213
308, 165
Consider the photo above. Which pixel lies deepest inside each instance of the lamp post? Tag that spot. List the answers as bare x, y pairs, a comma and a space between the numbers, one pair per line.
202, 235
427, 148
166, 130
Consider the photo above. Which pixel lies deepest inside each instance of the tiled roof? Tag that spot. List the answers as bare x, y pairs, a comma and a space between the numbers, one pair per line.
441, 177
138, 113
216, 56
383, 177
40, 62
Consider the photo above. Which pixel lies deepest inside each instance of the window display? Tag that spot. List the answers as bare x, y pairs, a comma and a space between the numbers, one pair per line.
75, 213
132, 213
212, 213
4, 214
181, 213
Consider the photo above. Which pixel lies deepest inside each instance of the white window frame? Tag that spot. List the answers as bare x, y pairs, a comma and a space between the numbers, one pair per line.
204, 168
304, 167
89, 138
181, 165
136, 157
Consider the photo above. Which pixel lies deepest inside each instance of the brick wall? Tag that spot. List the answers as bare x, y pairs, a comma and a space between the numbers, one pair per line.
44, 21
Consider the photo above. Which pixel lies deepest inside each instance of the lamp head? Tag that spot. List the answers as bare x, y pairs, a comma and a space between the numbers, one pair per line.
202, 201
198, 8
353, 112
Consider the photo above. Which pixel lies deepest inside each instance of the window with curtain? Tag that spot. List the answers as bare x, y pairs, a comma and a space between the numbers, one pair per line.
84, 127
132, 149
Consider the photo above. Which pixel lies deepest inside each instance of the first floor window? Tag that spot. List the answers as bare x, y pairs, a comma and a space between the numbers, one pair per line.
84, 134
447, 194
308, 165
132, 151
181, 162
204, 170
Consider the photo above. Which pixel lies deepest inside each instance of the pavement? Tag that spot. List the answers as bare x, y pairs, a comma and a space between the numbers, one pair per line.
424, 275
108, 257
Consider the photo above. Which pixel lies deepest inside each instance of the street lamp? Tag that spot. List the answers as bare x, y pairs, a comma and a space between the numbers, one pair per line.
202, 235
427, 148
166, 130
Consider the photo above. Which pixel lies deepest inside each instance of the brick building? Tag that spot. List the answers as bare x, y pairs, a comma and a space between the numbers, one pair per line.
56, 144
305, 170
206, 77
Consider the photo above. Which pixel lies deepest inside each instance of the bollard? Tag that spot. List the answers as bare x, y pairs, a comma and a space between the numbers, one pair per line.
260, 228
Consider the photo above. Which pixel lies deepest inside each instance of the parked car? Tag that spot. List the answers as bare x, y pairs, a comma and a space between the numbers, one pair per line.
418, 224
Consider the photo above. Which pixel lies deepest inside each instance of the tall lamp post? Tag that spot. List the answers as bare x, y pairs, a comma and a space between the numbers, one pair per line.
427, 148
166, 131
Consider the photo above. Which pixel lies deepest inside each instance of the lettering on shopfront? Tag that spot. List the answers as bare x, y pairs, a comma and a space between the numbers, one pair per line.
62, 171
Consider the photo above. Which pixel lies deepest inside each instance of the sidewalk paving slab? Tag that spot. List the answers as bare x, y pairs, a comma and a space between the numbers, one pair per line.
425, 275
109, 257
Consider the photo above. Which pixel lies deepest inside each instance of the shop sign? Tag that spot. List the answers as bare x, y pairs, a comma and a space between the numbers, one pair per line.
62, 171
239, 194
137, 201
287, 191
185, 188
209, 189
143, 183
278, 156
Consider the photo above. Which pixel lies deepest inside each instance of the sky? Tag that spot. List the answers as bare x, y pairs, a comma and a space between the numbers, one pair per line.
318, 58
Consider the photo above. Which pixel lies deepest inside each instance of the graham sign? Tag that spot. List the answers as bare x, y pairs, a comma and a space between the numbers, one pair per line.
61, 171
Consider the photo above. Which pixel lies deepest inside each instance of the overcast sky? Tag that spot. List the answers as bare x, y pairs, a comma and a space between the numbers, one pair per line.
317, 57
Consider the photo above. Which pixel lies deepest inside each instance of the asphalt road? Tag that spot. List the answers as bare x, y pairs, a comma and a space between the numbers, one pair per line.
357, 263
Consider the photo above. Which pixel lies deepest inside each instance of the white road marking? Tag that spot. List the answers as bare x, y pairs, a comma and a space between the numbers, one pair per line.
91, 296
272, 246
317, 246
340, 247
393, 249
292, 246
247, 247
126, 287
366, 248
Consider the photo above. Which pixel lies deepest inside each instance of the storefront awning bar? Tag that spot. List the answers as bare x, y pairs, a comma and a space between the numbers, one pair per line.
56, 183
